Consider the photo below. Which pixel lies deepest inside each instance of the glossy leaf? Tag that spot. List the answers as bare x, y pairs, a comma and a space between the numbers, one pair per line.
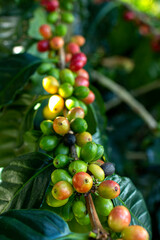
14, 74
131, 198
24, 182
35, 224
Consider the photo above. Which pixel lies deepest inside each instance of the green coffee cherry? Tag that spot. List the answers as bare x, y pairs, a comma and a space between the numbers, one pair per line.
66, 75
54, 72
67, 17
83, 221
79, 125
65, 90
103, 206
62, 149
83, 138
66, 5
79, 209
71, 103
44, 68
100, 152
60, 175
84, 106
53, 17
77, 166
61, 30
61, 160
48, 143
81, 92
88, 151
52, 202
46, 127
97, 172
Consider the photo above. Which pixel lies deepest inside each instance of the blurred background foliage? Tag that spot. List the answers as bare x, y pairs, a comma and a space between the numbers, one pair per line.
123, 49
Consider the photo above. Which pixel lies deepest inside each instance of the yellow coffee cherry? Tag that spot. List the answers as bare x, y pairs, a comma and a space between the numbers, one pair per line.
50, 84
47, 114
56, 104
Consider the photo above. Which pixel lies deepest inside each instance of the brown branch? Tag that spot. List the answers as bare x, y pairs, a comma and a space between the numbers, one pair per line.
123, 94
62, 58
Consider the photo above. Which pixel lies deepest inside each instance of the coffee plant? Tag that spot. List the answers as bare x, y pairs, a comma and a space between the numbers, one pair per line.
58, 181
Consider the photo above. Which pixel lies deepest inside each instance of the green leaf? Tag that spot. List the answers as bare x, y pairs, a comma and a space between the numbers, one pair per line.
38, 19
24, 182
35, 224
131, 198
14, 74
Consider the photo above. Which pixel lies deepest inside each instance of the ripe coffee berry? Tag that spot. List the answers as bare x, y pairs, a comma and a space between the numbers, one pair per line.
81, 81
79, 57
62, 190
129, 16
72, 48
83, 73
50, 5
82, 182
89, 99
109, 189
69, 139
56, 43
43, 46
76, 65
135, 232
61, 125
46, 31
79, 40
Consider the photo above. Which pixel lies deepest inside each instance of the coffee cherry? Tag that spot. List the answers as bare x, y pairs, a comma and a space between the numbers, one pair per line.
67, 17
81, 92
53, 17
76, 65
67, 5
79, 209
108, 168
103, 206
88, 151
46, 31
46, 127
52, 202
56, 43
83, 73
109, 189
62, 190
82, 182
97, 172
100, 152
83, 221
99, 162
68, 57
61, 160
79, 125
56, 104
48, 143
51, 5
77, 166
144, 29
83, 105
81, 81
61, 125
79, 57
129, 15
69, 139
76, 112
50, 84
83, 138
90, 98
61, 30
47, 114
43, 46
54, 72
44, 68
79, 40
135, 232
67, 213
71, 103
72, 48
119, 218
60, 175
65, 90
66, 75
61, 149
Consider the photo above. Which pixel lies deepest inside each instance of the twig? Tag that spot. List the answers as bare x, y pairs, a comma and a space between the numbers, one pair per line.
136, 93
127, 98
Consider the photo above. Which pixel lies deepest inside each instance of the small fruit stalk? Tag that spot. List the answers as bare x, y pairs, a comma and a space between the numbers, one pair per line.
79, 181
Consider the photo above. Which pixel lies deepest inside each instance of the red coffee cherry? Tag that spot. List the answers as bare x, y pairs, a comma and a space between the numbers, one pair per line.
90, 98
135, 232
119, 218
46, 31
72, 48
76, 65
129, 16
109, 189
79, 40
68, 57
82, 182
79, 57
81, 81
56, 43
83, 73
50, 5
43, 46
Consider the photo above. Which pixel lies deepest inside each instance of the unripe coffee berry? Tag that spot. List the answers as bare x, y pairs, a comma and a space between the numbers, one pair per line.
109, 189
76, 112
61, 125
90, 98
83, 138
79, 125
